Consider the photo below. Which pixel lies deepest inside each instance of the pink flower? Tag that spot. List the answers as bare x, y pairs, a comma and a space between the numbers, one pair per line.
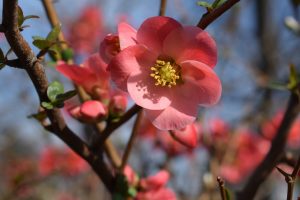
187, 136
64, 161
112, 44
158, 180
84, 33
92, 76
219, 129
92, 111
269, 129
168, 72
152, 187
118, 104
250, 151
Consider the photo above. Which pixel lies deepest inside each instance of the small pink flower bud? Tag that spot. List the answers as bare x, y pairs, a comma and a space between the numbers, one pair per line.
92, 111
118, 104
109, 47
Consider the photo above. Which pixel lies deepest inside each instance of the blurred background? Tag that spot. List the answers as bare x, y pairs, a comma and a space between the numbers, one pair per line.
255, 49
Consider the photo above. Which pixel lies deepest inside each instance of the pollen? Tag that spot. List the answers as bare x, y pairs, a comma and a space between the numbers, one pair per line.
165, 73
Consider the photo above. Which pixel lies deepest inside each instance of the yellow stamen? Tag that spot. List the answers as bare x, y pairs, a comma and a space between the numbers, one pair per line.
165, 73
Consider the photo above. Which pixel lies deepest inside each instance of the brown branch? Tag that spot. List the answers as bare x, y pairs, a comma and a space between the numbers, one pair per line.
131, 141
275, 153
222, 188
211, 16
162, 8
98, 143
14, 63
37, 75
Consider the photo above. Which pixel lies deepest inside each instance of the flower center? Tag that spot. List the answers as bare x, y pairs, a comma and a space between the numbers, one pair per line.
165, 73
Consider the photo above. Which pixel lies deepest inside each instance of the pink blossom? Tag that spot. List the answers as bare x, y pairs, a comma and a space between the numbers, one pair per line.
118, 104
112, 44
84, 33
64, 161
269, 129
187, 136
156, 181
250, 151
92, 75
152, 187
219, 129
92, 111
168, 72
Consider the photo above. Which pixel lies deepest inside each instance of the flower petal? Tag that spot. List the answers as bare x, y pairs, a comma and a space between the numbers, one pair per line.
142, 89
129, 61
154, 30
79, 75
187, 136
173, 117
156, 181
191, 43
201, 85
97, 66
127, 35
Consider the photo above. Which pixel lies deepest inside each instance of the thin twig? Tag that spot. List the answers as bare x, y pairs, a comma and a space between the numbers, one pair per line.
162, 8
211, 16
275, 153
98, 143
131, 141
222, 188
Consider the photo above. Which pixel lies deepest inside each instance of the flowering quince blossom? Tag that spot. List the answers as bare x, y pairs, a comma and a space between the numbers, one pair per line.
152, 187
250, 151
269, 129
84, 32
112, 44
65, 161
89, 111
169, 65
91, 75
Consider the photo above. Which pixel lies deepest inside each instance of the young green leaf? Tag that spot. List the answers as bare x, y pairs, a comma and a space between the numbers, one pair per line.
30, 17
47, 105
205, 5
293, 78
54, 89
67, 54
38, 116
217, 3
52, 36
66, 95
42, 44
20, 16
277, 86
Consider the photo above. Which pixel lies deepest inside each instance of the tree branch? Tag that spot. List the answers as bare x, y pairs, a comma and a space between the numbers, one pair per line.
162, 8
37, 74
275, 153
131, 141
211, 16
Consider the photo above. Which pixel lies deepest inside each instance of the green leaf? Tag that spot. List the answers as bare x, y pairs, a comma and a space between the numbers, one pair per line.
38, 38
293, 78
67, 54
277, 86
30, 17
205, 5
52, 36
2, 57
39, 116
228, 196
20, 16
66, 95
54, 89
47, 105
42, 44
132, 192
217, 3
